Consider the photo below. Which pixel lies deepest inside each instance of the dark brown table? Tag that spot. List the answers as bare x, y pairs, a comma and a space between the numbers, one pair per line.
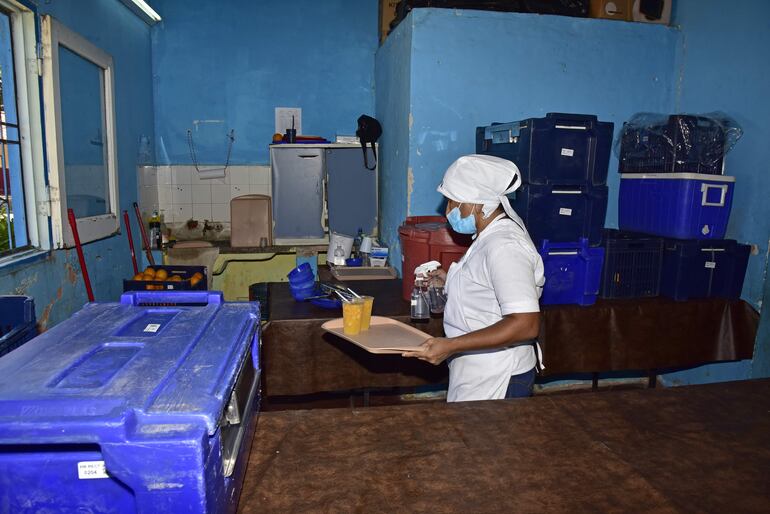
612, 335
687, 449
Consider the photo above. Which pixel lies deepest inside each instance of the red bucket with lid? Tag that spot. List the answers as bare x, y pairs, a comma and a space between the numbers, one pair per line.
428, 238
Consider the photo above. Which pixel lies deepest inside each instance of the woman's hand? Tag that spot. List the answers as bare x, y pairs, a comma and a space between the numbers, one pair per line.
435, 350
437, 277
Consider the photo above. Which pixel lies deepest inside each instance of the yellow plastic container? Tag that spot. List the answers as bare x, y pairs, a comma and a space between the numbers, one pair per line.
367, 315
352, 315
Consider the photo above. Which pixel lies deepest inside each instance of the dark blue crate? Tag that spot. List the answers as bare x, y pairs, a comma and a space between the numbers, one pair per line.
560, 149
147, 405
683, 144
17, 322
572, 272
562, 213
186, 272
676, 205
703, 269
632, 264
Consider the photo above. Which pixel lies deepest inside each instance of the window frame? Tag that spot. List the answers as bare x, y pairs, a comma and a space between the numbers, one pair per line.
28, 107
90, 228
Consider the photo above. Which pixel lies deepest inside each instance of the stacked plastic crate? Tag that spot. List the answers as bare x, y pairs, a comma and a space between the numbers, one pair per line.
563, 159
673, 185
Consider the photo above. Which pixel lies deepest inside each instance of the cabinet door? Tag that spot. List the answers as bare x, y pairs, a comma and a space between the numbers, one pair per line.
352, 192
298, 176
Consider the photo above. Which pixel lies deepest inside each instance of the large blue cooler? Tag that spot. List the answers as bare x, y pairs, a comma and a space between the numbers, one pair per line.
147, 405
573, 272
17, 322
703, 269
676, 205
560, 149
562, 213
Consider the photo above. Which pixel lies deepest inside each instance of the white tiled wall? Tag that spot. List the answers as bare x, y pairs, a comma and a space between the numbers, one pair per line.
179, 194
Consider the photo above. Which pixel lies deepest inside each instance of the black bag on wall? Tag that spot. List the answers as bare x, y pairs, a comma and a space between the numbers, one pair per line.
369, 131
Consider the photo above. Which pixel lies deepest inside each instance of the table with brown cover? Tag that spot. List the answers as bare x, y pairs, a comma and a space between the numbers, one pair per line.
654, 333
686, 449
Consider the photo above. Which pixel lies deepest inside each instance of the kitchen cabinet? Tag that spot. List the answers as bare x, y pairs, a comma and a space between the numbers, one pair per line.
321, 188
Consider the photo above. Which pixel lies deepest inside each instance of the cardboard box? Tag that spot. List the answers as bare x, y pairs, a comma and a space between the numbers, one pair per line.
387, 14
611, 9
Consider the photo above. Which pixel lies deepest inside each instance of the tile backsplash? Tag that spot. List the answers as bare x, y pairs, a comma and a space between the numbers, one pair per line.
179, 194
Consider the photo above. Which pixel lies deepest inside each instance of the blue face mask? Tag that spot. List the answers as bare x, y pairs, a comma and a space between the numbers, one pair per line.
466, 225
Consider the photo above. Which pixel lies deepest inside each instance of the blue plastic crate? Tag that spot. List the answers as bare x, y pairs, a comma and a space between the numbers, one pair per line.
632, 264
560, 149
682, 144
17, 322
676, 205
562, 213
147, 405
703, 269
572, 272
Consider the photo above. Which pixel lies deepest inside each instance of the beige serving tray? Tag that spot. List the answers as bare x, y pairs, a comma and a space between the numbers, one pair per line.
385, 335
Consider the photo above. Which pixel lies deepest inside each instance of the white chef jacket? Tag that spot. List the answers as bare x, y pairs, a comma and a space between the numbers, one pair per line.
500, 274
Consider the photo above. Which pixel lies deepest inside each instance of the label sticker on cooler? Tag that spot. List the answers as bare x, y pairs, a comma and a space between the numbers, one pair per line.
565, 212
152, 327
567, 152
711, 264
89, 469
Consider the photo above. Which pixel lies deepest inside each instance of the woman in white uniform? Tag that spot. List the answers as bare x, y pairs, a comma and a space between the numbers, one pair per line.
492, 315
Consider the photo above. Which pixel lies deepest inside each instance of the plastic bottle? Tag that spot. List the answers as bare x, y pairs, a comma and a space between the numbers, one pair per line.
156, 237
339, 256
419, 310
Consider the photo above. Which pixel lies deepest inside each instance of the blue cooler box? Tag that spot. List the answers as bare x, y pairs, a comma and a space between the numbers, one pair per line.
703, 269
558, 149
562, 213
676, 205
573, 272
147, 405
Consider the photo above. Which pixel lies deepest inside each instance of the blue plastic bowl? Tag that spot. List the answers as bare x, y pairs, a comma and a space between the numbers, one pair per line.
301, 294
301, 274
307, 288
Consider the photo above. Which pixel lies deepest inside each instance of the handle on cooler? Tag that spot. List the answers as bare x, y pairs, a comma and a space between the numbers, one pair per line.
561, 248
704, 189
584, 120
172, 297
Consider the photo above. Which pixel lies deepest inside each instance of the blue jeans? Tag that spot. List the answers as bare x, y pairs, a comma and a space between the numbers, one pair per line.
520, 386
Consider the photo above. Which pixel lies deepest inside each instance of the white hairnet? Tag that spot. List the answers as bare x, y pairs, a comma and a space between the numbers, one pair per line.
482, 179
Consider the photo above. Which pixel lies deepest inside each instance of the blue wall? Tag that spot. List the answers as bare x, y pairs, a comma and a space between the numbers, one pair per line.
507, 67
724, 66
55, 281
236, 60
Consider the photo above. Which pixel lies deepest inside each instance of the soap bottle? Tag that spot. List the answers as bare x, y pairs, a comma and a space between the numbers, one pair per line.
339, 256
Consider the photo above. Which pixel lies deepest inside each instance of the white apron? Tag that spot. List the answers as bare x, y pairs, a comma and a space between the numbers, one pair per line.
480, 375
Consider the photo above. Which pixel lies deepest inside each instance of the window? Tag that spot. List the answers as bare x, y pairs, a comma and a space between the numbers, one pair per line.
23, 227
80, 135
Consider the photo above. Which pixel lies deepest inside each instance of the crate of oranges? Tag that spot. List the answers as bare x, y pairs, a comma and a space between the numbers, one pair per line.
168, 278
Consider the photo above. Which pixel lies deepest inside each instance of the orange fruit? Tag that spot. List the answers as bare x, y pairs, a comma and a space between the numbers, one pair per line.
175, 278
198, 275
194, 280
161, 274
149, 271
138, 276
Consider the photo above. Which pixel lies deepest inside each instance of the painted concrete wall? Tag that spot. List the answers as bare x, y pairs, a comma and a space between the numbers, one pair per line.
234, 61
506, 67
724, 66
55, 281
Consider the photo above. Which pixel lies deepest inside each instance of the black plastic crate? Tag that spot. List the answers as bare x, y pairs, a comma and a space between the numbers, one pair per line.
186, 272
560, 149
682, 144
562, 214
703, 268
259, 293
632, 264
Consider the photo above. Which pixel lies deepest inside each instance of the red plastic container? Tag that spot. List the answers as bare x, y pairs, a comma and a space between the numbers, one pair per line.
428, 238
